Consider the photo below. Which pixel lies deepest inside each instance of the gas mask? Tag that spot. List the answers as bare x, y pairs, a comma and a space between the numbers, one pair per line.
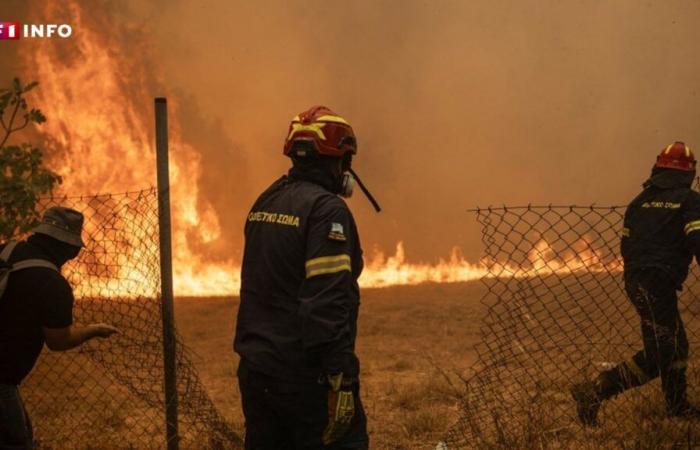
344, 179
348, 180
348, 185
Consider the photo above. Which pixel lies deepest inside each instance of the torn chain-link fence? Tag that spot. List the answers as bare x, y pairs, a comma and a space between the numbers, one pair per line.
557, 314
109, 393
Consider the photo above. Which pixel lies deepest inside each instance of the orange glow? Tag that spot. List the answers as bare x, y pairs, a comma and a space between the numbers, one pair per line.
382, 271
100, 140
92, 114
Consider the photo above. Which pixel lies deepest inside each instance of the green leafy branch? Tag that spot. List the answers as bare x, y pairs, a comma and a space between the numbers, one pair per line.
24, 178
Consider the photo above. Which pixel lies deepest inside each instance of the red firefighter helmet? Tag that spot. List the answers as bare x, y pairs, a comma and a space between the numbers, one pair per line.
330, 134
676, 156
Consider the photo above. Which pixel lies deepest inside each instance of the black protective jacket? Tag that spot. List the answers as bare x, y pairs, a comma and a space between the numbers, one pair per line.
299, 292
35, 298
662, 225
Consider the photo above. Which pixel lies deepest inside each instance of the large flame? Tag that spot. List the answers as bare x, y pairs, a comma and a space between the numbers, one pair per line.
94, 102
88, 98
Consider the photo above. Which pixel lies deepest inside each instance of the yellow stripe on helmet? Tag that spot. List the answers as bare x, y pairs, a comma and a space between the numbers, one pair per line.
313, 128
687, 151
336, 119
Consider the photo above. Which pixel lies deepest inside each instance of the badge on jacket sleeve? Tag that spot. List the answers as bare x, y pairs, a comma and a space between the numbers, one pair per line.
337, 233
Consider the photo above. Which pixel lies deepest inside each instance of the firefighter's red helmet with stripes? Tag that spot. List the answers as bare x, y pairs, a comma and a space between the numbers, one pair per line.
330, 134
676, 156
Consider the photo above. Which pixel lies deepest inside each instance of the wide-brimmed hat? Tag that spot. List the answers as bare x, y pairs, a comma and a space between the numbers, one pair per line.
63, 224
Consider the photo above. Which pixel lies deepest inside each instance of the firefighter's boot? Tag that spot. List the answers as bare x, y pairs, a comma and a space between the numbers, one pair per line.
674, 385
590, 395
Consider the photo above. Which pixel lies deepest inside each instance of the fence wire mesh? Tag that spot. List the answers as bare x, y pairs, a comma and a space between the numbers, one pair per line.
108, 394
557, 314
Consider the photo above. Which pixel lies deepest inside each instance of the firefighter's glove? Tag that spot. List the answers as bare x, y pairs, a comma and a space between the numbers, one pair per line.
341, 408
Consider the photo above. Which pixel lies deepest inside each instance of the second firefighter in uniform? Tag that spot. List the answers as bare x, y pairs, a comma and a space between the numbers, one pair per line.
661, 235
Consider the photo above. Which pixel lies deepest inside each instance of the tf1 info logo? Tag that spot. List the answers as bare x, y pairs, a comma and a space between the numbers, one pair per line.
14, 30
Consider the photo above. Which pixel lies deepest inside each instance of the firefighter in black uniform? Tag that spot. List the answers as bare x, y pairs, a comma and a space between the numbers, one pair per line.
660, 236
297, 321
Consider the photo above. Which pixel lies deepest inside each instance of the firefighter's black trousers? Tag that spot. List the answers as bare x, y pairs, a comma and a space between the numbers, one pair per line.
665, 353
281, 415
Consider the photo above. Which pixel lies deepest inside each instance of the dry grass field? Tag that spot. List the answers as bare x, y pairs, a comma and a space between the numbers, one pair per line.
414, 343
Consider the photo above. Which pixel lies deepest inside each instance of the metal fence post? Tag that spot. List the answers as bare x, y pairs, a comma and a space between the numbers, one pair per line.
166, 274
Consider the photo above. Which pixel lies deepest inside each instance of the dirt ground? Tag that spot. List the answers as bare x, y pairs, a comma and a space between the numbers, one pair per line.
414, 344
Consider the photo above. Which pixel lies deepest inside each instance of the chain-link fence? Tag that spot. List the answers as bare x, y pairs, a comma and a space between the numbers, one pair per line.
557, 314
108, 394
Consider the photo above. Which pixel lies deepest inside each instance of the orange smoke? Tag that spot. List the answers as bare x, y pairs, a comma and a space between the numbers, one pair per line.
99, 137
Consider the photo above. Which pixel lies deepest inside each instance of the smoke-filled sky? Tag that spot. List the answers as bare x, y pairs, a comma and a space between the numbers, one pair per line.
455, 103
